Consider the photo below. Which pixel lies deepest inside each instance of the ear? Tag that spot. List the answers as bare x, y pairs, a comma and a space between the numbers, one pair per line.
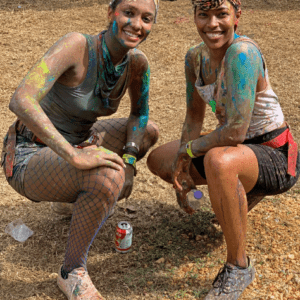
238, 15
110, 14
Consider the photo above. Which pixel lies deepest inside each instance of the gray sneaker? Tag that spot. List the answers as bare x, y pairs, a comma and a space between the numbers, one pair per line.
231, 282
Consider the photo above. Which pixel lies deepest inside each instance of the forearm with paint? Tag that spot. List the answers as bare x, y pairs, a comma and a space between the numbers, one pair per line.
243, 66
139, 116
195, 106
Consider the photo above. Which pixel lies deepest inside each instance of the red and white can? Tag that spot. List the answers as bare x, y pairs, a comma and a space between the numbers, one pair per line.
123, 240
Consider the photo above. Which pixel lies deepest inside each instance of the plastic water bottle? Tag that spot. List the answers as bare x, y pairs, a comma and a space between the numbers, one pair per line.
18, 230
197, 200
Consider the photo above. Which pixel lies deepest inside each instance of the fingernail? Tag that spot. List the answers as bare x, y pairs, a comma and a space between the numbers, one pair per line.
124, 166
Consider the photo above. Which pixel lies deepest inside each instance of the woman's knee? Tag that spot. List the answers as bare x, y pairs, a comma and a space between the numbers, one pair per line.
152, 161
104, 181
159, 165
217, 162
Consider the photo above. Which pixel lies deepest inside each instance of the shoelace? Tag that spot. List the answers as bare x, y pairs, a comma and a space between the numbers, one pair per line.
223, 278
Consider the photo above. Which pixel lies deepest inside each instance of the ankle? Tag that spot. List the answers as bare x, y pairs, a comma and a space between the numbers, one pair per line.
240, 263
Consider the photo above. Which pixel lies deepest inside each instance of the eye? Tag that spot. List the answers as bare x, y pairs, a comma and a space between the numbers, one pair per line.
201, 14
224, 14
128, 13
148, 19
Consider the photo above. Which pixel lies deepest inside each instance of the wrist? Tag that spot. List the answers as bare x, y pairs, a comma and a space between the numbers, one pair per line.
131, 148
130, 160
74, 160
189, 149
130, 168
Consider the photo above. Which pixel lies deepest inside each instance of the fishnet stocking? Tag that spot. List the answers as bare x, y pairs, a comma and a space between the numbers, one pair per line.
48, 177
113, 135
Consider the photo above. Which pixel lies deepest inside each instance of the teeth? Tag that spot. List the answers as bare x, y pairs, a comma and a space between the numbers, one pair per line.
213, 34
130, 34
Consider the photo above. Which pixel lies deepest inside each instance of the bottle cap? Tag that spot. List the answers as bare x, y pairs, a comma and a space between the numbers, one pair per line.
198, 194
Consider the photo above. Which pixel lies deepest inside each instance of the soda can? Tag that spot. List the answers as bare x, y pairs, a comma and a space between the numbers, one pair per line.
123, 240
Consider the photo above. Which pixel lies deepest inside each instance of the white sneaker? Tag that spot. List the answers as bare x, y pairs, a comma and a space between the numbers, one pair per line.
78, 285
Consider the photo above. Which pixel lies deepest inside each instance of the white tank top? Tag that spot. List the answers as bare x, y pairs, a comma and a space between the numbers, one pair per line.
267, 114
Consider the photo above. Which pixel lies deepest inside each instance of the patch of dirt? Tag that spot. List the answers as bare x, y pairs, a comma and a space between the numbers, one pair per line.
174, 256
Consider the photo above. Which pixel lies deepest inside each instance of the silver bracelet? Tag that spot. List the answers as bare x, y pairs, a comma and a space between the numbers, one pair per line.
131, 144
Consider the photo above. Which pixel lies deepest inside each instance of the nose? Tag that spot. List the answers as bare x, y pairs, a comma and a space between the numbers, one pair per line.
136, 23
213, 22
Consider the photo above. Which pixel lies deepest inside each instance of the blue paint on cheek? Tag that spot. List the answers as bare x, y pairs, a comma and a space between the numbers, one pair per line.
128, 22
242, 58
134, 128
147, 34
115, 27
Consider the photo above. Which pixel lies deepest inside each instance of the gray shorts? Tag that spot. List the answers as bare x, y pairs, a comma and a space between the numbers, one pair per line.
24, 150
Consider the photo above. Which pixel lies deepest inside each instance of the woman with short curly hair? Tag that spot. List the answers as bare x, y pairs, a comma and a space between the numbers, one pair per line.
251, 153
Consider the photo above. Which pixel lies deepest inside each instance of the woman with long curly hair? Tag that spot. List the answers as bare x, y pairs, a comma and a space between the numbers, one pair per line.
59, 151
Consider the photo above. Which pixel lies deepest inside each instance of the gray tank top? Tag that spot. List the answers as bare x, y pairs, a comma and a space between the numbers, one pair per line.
74, 110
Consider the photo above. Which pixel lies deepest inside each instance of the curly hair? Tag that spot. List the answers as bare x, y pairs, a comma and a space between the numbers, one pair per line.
212, 4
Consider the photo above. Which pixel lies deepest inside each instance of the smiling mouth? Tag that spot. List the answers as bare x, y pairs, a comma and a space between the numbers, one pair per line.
131, 34
214, 34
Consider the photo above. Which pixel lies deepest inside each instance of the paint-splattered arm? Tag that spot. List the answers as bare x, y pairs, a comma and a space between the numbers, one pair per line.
65, 55
243, 68
195, 106
139, 95
25, 102
192, 126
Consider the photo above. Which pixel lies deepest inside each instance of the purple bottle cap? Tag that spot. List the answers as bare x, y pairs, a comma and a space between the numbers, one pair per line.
198, 194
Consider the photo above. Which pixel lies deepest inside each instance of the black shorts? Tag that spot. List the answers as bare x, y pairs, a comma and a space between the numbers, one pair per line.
273, 163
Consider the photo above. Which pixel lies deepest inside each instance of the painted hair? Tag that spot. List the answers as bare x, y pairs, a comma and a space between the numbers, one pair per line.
114, 3
212, 4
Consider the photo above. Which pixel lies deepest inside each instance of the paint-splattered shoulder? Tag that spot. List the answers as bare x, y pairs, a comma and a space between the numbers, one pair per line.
138, 58
69, 44
76, 37
195, 51
243, 48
